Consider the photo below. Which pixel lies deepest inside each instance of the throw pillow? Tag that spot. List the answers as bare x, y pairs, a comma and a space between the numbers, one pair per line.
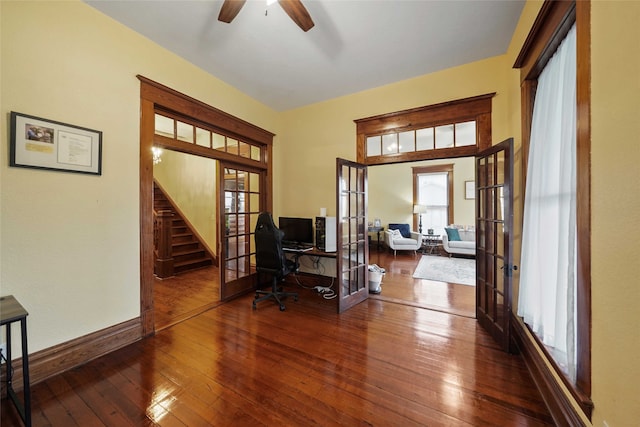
404, 229
453, 234
395, 234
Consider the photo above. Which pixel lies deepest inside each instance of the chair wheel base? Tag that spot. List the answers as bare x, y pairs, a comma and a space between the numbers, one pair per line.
275, 294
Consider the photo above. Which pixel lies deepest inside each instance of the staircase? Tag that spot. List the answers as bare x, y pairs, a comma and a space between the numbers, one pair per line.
186, 249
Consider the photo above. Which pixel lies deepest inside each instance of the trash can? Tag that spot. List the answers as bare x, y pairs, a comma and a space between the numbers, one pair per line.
375, 278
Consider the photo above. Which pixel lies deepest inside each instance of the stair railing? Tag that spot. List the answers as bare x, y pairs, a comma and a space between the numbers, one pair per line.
162, 221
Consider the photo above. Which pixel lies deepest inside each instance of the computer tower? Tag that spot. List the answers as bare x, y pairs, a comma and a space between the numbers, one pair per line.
326, 233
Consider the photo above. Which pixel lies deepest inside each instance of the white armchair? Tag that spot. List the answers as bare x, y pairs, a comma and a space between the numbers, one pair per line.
395, 241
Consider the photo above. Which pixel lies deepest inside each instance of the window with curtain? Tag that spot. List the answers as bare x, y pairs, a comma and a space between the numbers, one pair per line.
433, 188
434, 195
548, 282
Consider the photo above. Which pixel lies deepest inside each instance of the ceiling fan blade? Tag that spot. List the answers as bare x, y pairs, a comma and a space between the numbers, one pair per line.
296, 10
229, 10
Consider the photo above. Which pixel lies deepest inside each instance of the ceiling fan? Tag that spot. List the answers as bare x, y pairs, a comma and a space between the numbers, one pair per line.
294, 8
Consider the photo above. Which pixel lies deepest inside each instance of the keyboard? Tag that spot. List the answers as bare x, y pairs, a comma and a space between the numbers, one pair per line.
296, 247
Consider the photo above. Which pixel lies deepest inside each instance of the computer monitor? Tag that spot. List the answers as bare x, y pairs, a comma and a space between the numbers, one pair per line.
296, 230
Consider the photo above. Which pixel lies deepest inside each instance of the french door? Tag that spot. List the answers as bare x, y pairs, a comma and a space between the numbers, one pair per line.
494, 240
242, 201
352, 255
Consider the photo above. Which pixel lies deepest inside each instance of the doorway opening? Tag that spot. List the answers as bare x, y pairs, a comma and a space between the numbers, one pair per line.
191, 201
391, 193
172, 120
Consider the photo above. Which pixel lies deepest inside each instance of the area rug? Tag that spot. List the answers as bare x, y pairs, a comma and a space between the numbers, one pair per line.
444, 269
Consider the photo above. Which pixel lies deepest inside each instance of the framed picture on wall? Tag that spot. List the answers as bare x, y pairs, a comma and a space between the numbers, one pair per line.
46, 144
469, 190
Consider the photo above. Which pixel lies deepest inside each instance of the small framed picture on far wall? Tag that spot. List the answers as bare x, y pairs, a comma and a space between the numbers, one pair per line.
469, 190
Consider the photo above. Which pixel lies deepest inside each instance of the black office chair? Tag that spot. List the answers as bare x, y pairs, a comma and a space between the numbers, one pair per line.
270, 259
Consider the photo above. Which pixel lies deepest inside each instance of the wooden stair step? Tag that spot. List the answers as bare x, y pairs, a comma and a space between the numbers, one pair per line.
179, 247
188, 255
183, 238
187, 251
180, 267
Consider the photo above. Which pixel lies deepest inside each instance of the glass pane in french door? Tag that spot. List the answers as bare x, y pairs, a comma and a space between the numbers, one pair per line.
494, 222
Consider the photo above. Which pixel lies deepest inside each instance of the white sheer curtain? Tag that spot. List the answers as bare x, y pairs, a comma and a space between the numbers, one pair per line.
433, 192
548, 264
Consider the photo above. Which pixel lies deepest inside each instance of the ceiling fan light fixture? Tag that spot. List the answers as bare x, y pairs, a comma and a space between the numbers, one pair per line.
294, 8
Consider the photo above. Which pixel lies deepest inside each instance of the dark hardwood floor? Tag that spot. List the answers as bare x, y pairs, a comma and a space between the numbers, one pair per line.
386, 362
185, 295
399, 286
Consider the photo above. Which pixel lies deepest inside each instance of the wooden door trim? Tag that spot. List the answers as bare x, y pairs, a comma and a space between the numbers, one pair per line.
476, 108
155, 95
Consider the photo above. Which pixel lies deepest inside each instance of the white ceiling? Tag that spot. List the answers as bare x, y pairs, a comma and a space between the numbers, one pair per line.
355, 44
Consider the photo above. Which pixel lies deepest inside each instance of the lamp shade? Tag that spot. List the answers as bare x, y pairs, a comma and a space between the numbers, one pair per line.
419, 209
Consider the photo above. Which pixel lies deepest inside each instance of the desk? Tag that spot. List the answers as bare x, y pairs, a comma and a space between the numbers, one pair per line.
377, 230
310, 262
309, 252
11, 311
317, 252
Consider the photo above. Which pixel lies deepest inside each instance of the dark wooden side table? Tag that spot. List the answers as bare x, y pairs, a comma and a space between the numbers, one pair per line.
12, 311
377, 230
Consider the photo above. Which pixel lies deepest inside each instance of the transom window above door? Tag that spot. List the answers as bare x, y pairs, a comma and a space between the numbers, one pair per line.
432, 138
459, 128
184, 131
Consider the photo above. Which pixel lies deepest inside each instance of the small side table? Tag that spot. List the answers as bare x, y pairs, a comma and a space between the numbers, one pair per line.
377, 230
430, 242
12, 311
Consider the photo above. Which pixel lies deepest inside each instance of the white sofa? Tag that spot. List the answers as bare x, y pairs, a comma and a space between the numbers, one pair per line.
465, 246
395, 241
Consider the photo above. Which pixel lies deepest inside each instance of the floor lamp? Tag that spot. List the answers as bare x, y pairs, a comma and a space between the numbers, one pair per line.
419, 210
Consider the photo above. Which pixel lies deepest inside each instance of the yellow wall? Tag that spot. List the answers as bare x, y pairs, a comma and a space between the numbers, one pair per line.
615, 225
69, 243
191, 182
70, 247
315, 135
